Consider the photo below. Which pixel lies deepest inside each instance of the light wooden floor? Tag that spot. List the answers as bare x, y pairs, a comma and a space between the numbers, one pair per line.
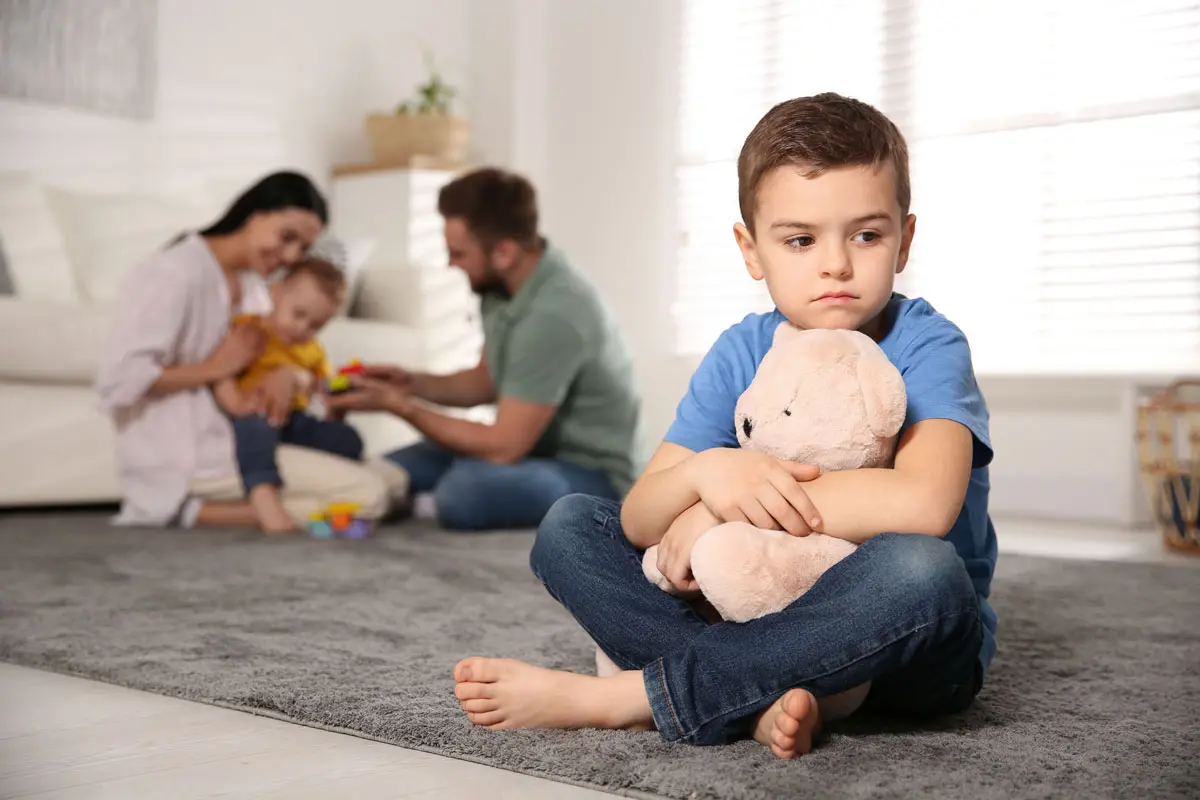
63, 737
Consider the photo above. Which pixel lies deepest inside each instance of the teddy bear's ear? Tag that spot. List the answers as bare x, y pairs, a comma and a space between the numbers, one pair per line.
786, 332
882, 389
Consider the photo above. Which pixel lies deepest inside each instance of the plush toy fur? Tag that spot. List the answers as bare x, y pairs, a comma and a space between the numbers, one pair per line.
830, 398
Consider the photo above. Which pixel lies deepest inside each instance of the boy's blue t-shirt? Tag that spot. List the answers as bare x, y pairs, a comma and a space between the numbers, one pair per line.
933, 357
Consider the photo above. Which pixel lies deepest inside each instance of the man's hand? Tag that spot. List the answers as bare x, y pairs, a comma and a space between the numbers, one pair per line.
372, 394
675, 549
390, 373
740, 485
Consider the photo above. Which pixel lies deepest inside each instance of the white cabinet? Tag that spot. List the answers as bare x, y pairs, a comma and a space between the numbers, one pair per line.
407, 279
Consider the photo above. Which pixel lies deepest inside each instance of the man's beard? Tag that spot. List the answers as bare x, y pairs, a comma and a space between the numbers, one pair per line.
490, 283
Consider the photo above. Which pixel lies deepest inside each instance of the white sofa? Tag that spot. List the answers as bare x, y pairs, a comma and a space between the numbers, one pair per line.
64, 253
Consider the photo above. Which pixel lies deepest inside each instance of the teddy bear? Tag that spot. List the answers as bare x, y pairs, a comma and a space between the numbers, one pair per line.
829, 398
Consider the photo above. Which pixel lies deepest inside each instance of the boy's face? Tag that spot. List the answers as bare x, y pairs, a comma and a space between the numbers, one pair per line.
829, 247
301, 308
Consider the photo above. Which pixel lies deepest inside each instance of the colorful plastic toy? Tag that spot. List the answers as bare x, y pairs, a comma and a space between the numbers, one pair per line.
341, 381
318, 526
338, 520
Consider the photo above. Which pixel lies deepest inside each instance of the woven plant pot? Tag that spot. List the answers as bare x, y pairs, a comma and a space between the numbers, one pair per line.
398, 138
1168, 436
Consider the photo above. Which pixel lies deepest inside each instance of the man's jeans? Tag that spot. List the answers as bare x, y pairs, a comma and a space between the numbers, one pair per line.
475, 495
900, 612
257, 440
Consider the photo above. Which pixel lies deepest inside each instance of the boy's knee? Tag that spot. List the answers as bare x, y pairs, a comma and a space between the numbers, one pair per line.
918, 567
564, 532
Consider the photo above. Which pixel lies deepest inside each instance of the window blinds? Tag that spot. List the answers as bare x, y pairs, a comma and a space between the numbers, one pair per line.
1055, 157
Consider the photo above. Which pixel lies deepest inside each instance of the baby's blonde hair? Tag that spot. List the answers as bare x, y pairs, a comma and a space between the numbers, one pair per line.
328, 276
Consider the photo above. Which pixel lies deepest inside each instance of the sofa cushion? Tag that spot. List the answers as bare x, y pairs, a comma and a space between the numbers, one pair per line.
38, 264
106, 235
6, 284
50, 342
65, 445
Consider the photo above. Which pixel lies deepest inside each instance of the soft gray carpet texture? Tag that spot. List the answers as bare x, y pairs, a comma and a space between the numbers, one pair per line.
1095, 692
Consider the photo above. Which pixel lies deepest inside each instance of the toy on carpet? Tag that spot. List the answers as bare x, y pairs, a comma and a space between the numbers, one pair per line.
338, 520
830, 398
340, 382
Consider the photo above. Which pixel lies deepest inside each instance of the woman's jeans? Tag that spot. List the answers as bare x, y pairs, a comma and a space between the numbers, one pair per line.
900, 612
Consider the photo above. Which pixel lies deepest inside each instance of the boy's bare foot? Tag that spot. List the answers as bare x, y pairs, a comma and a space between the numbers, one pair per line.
500, 693
269, 511
788, 726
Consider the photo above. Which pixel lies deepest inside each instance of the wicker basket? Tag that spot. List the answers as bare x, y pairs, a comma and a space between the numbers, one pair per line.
399, 138
1169, 449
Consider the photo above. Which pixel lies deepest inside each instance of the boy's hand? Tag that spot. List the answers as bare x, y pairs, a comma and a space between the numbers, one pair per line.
675, 549
232, 400
740, 485
274, 394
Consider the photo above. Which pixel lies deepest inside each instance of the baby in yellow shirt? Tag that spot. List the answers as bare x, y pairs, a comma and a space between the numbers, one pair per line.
304, 300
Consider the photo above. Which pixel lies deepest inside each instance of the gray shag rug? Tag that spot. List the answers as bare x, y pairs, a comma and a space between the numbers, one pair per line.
1095, 692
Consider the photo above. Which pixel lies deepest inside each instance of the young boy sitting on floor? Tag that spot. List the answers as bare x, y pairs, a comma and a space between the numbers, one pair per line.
903, 623
304, 300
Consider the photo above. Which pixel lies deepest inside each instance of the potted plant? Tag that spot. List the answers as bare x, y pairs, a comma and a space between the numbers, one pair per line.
424, 126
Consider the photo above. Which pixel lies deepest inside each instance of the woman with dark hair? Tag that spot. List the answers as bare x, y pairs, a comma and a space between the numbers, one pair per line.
172, 340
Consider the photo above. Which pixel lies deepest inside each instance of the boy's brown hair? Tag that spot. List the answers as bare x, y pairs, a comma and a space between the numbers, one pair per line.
815, 134
328, 276
495, 204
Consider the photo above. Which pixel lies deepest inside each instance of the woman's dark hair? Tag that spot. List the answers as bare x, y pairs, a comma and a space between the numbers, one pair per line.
275, 192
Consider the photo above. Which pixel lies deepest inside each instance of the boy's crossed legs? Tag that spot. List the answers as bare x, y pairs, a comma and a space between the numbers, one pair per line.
900, 614
257, 441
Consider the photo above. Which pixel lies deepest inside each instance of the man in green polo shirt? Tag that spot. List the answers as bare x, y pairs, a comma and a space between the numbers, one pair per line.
567, 411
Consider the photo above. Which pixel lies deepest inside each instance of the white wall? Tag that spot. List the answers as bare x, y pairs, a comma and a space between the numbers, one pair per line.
588, 116
246, 86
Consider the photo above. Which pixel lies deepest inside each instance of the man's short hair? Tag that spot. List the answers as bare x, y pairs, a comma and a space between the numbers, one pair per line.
815, 134
495, 205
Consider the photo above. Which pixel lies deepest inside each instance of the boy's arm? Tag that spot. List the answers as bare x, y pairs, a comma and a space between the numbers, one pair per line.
923, 493
231, 399
946, 436
735, 485
662, 493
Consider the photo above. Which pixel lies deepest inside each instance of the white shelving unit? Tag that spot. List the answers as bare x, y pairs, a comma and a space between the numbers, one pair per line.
407, 280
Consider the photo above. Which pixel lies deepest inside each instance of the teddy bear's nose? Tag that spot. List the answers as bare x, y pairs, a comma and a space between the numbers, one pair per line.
747, 426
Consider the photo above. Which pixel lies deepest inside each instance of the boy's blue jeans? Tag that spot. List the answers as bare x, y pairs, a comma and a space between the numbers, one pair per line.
257, 441
476, 495
900, 612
